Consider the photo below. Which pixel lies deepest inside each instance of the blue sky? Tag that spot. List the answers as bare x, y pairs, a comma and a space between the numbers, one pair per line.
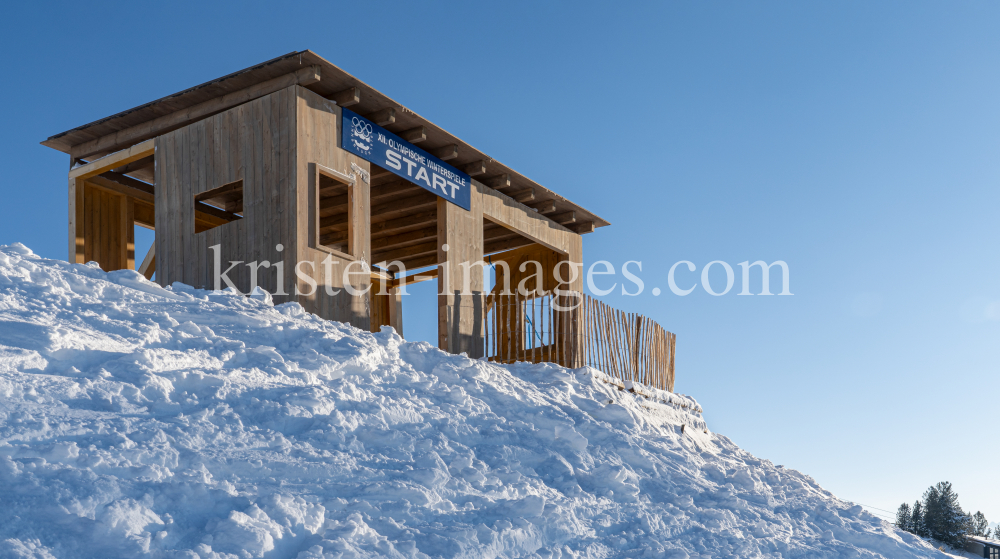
856, 141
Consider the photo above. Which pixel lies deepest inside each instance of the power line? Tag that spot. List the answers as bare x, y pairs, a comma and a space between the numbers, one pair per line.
876, 508
884, 515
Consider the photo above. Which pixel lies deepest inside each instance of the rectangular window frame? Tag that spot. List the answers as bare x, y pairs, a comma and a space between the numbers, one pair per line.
350, 182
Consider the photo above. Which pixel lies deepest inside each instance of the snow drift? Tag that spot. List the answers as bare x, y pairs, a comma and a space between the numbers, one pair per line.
138, 421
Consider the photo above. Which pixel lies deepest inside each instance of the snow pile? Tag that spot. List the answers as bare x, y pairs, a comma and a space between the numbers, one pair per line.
137, 421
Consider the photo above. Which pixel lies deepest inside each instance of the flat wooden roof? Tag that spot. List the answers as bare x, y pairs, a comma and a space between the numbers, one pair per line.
82, 141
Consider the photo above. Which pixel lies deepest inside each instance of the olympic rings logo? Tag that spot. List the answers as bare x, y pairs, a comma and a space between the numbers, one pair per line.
361, 129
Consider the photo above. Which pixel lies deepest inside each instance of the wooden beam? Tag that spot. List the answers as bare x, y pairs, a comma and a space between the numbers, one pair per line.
583, 228
334, 238
524, 196
336, 208
101, 182
498, 233
445, 153
347, 97
414, 262
421, 201
512, 256
156, 127
405, 239
417, 278
128, 181
145, 214
136, 165
564, 218
212, 211
414, 135
148, 266
499, 181
384, 117
394, 189
506, 244
410, 251
504, 210
411, 220
475, 168
544, 206
116, 159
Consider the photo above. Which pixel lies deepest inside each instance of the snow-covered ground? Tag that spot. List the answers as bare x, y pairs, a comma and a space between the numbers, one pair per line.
137, 421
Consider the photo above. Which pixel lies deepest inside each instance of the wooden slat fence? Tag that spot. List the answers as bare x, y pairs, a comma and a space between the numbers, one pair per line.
626, 346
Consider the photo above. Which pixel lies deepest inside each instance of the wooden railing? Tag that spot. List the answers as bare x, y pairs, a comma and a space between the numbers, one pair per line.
579, 330
627, 346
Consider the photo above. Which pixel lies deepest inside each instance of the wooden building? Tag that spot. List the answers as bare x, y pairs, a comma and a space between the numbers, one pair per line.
252, 168
983, 547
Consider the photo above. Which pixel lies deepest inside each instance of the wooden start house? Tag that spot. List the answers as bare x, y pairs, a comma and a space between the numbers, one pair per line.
297, 177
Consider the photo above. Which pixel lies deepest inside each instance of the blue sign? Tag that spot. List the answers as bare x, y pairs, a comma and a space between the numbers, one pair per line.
373, 143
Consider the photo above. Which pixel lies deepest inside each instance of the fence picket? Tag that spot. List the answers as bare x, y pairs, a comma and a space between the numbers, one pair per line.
625, 346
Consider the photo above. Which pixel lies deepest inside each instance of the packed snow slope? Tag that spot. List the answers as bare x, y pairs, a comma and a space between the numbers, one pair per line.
138, 421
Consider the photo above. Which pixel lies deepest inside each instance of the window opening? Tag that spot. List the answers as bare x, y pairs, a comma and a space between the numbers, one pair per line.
218, 206
335, 220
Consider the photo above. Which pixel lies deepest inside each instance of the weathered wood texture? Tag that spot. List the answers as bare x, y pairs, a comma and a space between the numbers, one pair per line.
176, 119
503, 210
107, 231
93, 233
114, 160
531, 305
461, 296
253, 143
148, 266
629, 347
274, 145
317, 125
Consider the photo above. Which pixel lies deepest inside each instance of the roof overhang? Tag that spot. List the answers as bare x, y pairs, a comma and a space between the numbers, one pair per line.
100, 137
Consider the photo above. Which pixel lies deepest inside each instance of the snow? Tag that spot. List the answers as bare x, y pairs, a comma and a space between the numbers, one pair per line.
138, 421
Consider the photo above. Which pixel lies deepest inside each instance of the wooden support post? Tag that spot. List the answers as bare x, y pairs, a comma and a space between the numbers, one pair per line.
128, 235
396, 310
148, 266
76, 221
461, 311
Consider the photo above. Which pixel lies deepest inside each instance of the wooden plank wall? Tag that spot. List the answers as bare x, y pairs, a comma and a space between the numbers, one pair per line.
108, 229
255, 143
102, 219
273, 144
318, 141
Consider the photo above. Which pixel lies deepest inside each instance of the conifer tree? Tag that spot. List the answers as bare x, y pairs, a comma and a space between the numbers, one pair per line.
903, 517
931, 513
917, 525
979, 526
943, 516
